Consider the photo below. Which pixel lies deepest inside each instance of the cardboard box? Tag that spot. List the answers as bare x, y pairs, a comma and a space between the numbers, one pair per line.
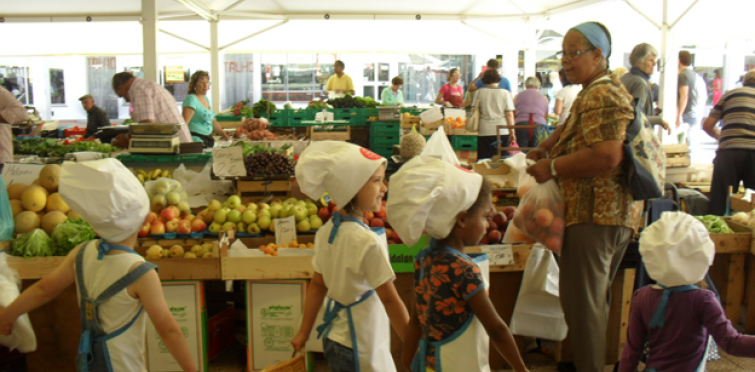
499, 175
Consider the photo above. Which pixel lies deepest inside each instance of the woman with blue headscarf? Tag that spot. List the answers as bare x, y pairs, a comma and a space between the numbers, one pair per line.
585, 157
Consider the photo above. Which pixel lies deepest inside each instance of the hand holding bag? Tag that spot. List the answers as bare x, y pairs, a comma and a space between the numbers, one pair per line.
473, 119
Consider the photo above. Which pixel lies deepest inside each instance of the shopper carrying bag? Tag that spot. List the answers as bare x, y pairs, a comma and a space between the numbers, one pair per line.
351, 263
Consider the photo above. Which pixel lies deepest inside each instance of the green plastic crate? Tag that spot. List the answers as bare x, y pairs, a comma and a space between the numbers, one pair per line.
384, 151
385, 126
226, 118
463, 142
378, 141
371, 111
411, 110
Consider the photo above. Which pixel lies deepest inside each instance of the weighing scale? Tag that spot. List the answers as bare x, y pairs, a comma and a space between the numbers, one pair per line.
154, 138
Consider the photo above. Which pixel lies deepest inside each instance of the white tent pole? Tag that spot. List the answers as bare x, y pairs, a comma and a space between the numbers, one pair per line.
670, 61
254, 34
215, 65
184, 39
149, 39
640, 12
684, 13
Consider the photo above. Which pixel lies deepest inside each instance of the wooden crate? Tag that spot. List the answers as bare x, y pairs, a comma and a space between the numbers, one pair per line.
186, 268
409, 122
677, 156
252, 268
343, 133
254, 191
36, 267
740, 205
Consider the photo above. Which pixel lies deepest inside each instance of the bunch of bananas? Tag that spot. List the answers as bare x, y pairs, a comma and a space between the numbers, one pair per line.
151, 176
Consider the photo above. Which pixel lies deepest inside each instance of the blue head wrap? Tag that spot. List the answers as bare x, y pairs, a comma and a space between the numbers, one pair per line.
595, 35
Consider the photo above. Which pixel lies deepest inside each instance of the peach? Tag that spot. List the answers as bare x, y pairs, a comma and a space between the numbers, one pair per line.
544, 217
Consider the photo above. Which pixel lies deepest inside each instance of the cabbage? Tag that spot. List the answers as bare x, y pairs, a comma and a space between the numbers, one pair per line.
69, 234
35, 243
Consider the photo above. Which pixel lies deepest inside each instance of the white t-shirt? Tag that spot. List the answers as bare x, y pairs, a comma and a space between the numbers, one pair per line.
494, 104
568, 94
355, 263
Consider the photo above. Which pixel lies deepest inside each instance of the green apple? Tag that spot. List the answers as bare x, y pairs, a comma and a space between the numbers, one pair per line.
214, 205
286, 211
264, 222
241, 227
221, 216
291, 200
253, 228
249, 217
162, 187
315, 222
229, 226
303, 226
215, 227
311, 210
234, 216
275, 210
264, 212
263, 206
299, 213
173, 198
252, 207
272, 227
234, 201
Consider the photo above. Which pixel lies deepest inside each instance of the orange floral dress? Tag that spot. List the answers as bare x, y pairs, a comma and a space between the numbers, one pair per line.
444, 281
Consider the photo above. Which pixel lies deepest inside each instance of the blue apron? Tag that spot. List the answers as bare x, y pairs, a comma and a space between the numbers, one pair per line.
658, 319
333, 308
93, 352
468, 347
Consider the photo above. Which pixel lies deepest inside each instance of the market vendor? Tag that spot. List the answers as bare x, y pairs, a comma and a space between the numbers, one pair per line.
393, 96
96, 116
340, 83
11, 112
152, 103
451, 94
735, 157
198, 113
585, 157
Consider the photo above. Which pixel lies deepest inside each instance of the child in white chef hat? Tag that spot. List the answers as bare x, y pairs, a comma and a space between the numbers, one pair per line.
453, 320
114, 283
351, 261
675, 317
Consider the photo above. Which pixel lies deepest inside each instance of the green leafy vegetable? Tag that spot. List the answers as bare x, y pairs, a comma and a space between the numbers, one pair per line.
69, 234
318, 105
35, 243
715, 224
263, 106
48, 147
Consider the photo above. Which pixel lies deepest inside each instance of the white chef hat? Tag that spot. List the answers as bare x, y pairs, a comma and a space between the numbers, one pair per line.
107, 195
339, 168
677, 249
427, 194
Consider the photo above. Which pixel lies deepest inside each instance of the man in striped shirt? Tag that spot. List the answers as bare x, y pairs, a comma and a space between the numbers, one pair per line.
735, 157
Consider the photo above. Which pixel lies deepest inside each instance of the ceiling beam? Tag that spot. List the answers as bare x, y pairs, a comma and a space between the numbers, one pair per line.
184, 39
684, 13
252, 15
200, 9
254, 34
640, 12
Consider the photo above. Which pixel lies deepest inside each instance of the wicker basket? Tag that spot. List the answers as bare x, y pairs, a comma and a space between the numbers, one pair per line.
297, 364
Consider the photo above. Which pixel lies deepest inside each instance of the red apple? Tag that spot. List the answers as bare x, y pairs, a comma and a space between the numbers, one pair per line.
377, 223
332, 207
176, 211
381, 213
157, 228
484, 241
492, 226
197, 225
324, 214
396, 238
151, 217
500, 219
495, 237
190, 217
369, 216
184, 227
144, 231
168, 214
171, 226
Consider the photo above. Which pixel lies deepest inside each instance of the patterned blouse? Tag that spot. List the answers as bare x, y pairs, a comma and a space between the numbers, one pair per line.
601, 112
450, 280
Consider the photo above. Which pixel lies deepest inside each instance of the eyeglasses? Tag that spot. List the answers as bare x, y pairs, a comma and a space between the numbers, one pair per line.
571, 55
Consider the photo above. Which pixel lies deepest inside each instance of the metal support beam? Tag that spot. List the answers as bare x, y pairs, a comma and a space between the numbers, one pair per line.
640, 12
684, 13
669, 73
230, 7
507, 41
184, 39
255, 15
199, 8
215, 66
254, 34
149, 39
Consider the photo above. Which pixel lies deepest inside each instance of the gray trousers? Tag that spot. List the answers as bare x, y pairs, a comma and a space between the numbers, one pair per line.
589, 261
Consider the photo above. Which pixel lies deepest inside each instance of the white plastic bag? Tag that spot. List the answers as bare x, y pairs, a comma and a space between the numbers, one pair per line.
22, 337
514, 235
540, 216
538, 312
199, 187
440, 148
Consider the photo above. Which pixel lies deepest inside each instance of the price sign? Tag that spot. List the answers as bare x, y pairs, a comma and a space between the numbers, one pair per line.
228, 162
285, 230
499, 255
21, 173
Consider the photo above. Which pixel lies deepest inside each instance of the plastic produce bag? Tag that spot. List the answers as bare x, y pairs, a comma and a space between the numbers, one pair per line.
538, 312
22, 337
199, 187
440, 148
526, 182
163, 192
6, 214
540, 216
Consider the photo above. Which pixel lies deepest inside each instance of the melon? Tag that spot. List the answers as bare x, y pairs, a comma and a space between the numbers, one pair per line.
51, 220
26, 221
56, 203
412, 144
16, 206
34, 198
16, 190
49, 177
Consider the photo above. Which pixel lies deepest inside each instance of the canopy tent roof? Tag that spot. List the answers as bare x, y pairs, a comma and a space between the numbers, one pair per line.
446, 26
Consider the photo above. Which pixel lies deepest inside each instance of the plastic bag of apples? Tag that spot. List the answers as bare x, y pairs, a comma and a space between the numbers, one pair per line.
540, 217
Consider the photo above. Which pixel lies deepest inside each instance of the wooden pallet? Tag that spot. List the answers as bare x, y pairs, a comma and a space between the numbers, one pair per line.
254, 191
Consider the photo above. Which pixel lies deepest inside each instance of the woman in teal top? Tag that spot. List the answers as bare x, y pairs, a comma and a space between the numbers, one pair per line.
393, 96
198, 113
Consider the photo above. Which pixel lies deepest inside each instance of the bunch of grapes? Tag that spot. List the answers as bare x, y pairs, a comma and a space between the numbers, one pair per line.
267, 164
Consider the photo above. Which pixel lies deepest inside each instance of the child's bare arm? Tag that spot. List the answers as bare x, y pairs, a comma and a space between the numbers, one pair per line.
149, 290
394, 307
40, 293
498, 331
315, 296
411, 340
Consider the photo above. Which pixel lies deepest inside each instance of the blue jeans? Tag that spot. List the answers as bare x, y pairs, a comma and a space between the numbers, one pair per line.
340, 358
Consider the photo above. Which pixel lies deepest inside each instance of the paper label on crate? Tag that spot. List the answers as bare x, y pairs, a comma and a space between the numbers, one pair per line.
182, 302
285, 230
275, 310
21, 173
499, 254
432, 115
228, 162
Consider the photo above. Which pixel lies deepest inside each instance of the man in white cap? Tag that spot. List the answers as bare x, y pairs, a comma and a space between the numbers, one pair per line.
351, 261
675, 317
451, 204
115, 285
